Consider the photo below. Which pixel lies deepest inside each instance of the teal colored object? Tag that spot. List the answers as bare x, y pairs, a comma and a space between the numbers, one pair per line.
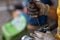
14, 27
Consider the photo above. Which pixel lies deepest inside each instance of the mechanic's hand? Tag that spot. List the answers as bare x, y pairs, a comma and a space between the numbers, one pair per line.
42, 36
48, 36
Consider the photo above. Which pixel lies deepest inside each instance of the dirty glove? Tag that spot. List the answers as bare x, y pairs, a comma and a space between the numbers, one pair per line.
42, 36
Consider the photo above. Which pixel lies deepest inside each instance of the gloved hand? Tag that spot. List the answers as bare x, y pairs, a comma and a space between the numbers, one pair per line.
49, 36
43, 36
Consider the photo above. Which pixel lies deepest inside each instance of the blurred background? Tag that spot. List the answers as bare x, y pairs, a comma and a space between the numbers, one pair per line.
6, 6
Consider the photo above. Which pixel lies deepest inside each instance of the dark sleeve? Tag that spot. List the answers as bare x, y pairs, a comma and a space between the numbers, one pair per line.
53, 25
53, 18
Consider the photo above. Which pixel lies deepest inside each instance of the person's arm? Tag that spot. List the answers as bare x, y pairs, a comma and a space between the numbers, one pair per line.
53, 19
25, 7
